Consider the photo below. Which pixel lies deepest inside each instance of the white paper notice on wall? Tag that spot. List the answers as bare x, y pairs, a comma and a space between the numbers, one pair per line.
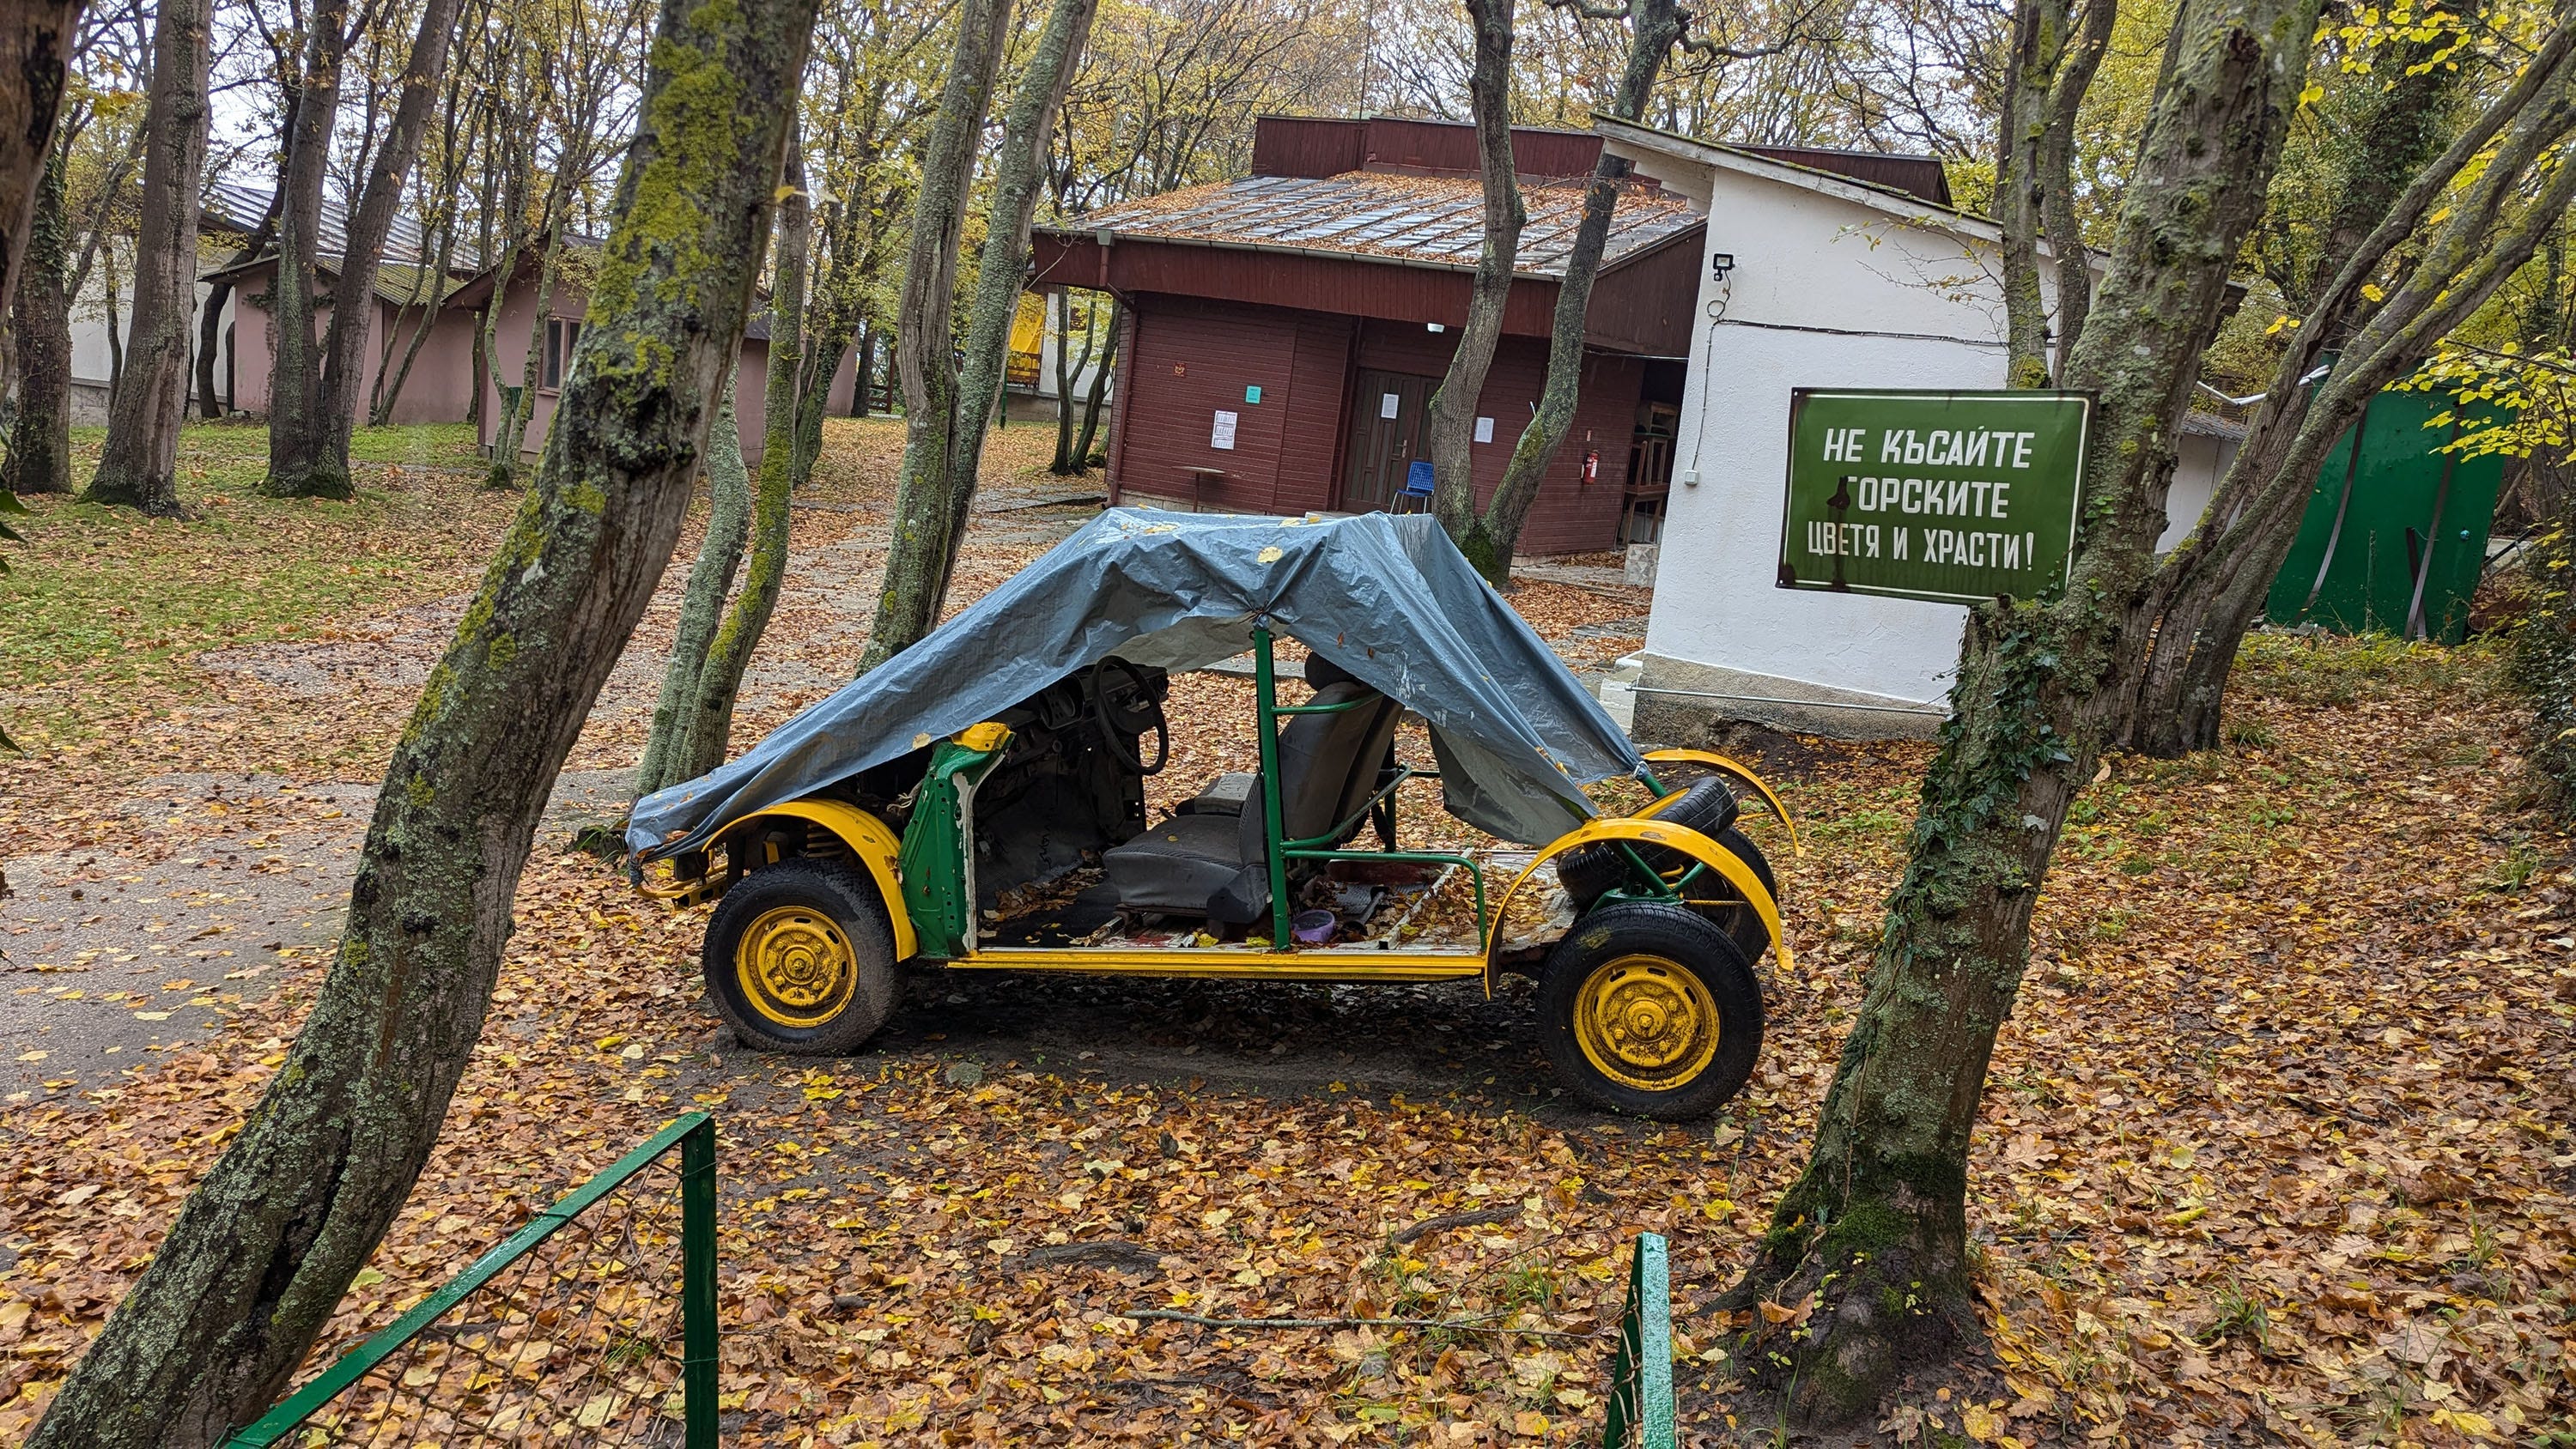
1386, 404
1222, 436
1484, 430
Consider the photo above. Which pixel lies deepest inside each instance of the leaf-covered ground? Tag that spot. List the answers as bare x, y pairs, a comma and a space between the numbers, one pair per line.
2277, 1146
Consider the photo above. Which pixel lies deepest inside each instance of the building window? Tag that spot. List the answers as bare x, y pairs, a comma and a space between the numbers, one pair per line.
560, 336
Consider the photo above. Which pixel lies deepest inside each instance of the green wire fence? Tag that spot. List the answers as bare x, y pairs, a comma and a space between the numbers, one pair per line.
1641, 1377
594, 1324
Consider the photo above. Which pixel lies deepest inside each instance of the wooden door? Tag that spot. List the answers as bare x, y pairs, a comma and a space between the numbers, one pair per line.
1388, 414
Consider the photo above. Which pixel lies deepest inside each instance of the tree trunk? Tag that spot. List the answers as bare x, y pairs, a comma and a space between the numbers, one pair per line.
138, 466
2039, 35
2057, 171
210, 323
1068, 462
36, 40
924, 330
706, 725
519, 402
863, 371
312, 460
2211, 591
265, 1247
383, 413
702, 604
946, 406
2051, 68
1449, 431
1001, 270
40, 436
294, 431
1871, 1241
1655, 26
1095, 402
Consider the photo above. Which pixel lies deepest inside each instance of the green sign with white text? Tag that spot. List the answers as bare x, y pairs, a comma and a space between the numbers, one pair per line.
1951, 496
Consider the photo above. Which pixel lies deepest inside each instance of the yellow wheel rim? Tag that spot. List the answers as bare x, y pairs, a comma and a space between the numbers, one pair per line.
1645, 1022
796, 966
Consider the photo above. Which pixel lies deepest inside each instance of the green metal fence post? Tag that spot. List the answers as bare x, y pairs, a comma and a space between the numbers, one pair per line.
1641, 1377
698, 1282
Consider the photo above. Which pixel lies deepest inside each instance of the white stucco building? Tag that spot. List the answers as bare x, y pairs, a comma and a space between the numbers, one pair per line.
1814, 280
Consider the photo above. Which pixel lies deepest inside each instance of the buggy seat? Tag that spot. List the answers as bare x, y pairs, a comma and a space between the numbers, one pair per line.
1210, 858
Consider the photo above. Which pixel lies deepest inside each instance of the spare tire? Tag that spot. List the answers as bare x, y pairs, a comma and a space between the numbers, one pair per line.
1586, 871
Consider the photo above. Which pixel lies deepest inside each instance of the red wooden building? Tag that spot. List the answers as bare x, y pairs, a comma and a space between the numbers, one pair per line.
1283, 332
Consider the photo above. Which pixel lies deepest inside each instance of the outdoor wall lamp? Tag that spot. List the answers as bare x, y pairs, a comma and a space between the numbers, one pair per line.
1720, 263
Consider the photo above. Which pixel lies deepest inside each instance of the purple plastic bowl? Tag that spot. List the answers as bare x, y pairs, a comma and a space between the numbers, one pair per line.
1314, 928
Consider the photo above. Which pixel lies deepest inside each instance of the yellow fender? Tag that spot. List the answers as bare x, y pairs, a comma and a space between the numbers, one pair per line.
1726, 766
1649, 831
869, 840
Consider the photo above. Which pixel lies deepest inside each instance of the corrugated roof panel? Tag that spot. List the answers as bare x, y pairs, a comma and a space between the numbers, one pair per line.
1436, 220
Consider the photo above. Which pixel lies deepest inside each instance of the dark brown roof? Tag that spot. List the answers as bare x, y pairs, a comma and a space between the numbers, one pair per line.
1918, 176
1410, 220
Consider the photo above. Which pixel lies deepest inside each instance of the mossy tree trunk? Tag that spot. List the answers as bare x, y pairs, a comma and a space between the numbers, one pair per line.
705, 726
1449, 431
1489, 539
1871, 1240
2051, 66
702, 602
40, 436
264, 1248
1001, 271
36, 41
2213, 589
139, 464
925, 330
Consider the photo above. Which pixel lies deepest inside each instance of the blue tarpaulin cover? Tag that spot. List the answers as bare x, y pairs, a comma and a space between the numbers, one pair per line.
1387, 598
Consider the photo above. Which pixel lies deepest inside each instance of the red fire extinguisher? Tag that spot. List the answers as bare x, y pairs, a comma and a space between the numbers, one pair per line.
1591, 466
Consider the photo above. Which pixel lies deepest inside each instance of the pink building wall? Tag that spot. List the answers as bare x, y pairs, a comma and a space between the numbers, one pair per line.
510, 352
438, 389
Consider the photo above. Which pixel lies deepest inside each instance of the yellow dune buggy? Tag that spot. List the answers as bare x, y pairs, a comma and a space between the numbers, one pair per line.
978, 802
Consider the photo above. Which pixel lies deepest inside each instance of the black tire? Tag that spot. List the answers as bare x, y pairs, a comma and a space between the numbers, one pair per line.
1636, 961
804, 913
1727, 906
1586, 871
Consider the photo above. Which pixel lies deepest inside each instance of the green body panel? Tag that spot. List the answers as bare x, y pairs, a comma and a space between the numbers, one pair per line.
938, 882
1954, 496
2354, 565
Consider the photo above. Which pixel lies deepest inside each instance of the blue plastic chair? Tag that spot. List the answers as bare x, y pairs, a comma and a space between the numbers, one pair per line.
1417, 486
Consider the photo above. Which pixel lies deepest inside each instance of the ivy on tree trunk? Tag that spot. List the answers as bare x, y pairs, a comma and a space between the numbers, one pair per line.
1868, 1249
260, 1255
139, 464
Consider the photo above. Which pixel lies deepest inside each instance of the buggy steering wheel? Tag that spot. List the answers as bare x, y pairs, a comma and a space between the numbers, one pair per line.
1119, 729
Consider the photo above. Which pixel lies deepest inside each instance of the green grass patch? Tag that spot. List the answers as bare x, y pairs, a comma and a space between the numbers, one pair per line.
114, 604
2332, 670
